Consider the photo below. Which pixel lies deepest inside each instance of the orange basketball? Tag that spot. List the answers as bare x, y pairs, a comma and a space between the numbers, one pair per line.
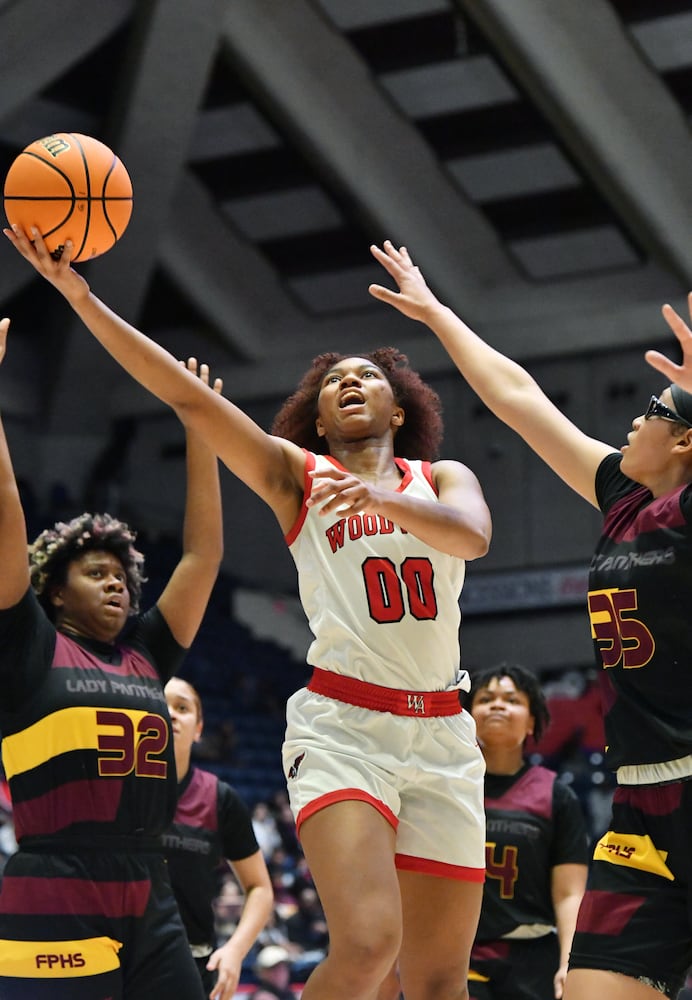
70, 186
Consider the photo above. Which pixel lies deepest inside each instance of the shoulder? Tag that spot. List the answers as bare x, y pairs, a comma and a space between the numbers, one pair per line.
450, 471
25, 613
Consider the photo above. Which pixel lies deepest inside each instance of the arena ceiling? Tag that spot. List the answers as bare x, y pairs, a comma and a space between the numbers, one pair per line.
535, 155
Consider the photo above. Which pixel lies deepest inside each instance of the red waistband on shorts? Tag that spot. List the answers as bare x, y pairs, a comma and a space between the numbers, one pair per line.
383, 699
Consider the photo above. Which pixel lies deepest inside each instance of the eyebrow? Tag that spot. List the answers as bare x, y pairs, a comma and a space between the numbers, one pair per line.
341, 364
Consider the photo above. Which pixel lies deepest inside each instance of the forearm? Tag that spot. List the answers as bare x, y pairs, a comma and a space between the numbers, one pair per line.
203, 524
500, 382
255, 915
566, 911
14, 579
149, 363
458, 533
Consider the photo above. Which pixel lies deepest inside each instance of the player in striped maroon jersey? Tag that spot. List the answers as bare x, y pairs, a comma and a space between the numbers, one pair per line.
211, 828
86, 907
634, 935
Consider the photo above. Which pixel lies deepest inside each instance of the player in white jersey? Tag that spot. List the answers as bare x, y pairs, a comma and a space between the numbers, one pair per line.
360, 572
385, 774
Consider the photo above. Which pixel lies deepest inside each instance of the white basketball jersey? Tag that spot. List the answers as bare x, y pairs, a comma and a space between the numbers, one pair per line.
383, 606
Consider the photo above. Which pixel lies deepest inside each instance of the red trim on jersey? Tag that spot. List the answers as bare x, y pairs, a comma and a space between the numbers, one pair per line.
424, 866
311, 462
91, 800
384, 699
345, 795
25, 894
425, 468
294, 531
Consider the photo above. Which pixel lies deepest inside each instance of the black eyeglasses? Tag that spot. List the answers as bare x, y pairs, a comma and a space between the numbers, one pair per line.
658, 409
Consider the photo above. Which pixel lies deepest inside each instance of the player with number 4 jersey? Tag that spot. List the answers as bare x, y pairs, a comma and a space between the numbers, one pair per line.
536, 848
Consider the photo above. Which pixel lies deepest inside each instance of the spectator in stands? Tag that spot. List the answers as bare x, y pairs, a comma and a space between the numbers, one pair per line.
536, 847
211, 826
380, 531
275, 930
286, 825
266, 830
228, 905
282, 870
273, 971
307, 929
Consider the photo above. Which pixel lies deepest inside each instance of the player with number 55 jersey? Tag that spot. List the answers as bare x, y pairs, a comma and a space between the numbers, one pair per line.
633, 938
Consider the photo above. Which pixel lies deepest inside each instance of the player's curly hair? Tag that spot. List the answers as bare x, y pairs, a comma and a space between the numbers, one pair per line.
420, 435
524, 680
55, 548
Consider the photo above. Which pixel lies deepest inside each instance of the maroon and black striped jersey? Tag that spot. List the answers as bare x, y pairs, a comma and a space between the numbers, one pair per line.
640, 595
212, 825
86, 741
533, 823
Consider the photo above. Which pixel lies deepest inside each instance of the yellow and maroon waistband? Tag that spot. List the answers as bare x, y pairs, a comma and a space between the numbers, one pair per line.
383, 699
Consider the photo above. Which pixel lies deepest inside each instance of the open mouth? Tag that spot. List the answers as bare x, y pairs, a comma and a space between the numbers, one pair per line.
351, 398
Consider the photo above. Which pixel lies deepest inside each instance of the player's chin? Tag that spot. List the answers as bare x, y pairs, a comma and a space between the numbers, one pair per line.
628, 464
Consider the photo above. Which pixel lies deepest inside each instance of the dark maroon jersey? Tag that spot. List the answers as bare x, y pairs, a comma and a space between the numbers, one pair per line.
86, 740
640, 595
211, 824
533, 822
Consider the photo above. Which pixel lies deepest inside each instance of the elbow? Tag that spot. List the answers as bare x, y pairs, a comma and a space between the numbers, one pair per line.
479, 545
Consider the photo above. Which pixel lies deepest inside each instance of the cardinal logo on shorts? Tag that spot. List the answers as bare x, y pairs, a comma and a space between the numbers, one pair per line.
293, 769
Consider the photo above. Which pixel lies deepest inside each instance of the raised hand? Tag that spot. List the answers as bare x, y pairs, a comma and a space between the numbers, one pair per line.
340, 492
678, 373
414, 299
59, 273
202, 371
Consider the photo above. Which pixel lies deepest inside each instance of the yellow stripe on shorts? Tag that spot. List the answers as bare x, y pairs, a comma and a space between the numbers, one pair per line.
58, 959
633, 851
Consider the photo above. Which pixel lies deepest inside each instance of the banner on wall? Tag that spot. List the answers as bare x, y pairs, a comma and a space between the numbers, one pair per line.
525, 590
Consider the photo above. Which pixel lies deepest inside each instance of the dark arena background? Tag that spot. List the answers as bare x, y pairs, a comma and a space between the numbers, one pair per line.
534, 157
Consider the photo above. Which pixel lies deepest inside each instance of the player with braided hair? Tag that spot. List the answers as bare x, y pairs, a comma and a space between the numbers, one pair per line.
86, 906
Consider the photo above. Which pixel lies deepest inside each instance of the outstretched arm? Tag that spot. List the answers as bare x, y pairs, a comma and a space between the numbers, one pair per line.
185, 597
504, 386
14, 578
273, 468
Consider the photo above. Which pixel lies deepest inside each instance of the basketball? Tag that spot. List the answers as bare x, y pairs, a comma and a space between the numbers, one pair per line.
70, 186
